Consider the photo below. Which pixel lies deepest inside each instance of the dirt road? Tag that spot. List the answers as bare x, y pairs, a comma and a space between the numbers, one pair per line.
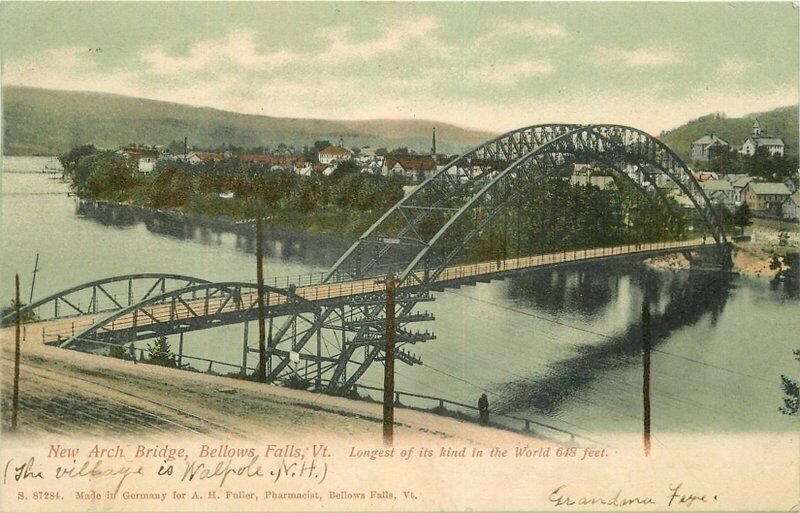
77, 394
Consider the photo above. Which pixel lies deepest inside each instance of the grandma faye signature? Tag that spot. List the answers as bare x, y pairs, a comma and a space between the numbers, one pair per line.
677, 496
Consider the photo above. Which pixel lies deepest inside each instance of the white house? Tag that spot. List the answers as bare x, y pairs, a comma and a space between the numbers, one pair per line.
334, 153
759, 138
145, 159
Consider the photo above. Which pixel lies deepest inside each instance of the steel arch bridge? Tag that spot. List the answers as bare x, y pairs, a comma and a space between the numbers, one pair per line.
334, 328
491, 177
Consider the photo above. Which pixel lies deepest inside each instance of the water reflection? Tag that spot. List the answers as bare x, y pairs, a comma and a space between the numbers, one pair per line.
678, 300
787, 279
311, 249
585, 290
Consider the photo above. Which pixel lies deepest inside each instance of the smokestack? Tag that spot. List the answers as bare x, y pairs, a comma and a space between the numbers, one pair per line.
185, 147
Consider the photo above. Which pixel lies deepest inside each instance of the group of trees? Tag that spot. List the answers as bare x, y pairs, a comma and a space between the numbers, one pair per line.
178, 185
160, 353
557, 215
770, 168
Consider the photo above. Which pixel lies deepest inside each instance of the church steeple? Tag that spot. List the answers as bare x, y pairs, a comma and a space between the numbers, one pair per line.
756, 129
433, 145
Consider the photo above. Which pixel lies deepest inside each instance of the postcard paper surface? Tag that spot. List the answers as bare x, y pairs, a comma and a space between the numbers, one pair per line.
399, 256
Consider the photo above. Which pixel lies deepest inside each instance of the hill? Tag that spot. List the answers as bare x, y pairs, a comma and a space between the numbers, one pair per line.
781, 122
43, 121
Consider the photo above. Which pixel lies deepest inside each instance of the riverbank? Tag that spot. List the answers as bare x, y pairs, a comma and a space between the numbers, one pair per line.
78, 394
751, 257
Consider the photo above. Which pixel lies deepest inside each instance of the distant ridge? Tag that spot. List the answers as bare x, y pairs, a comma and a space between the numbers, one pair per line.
46, 121
781, 122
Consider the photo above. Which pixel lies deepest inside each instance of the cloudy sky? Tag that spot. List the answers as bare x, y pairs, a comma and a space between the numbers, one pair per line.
493, 66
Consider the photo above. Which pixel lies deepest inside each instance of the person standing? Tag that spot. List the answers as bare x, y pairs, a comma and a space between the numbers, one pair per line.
483, 410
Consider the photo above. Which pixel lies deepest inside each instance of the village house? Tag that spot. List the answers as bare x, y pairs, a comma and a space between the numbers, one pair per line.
791, 209
767, 196
275, 162
720, 192
202, 157
738, 182
304, 169
701, 148
704, 176
589, 174
759, 138
334, 153
414, 167
325, 169
145, 159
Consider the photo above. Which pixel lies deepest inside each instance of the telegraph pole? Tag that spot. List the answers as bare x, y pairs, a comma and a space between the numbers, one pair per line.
15, 393
646, 373
388, 365
262, 346
33, 281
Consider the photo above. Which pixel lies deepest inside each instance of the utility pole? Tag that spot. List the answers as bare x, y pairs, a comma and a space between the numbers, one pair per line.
646, 372
388, 365
15, 396
33, 281
262, 346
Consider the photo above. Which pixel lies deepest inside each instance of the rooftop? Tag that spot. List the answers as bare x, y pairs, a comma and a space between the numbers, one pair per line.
717, 185
710, 139
335, 150
768, 140
774, 188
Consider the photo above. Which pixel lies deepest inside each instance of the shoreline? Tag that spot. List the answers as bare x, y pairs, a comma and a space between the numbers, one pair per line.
750, 258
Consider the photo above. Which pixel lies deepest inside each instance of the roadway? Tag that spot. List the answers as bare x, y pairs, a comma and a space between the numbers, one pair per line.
66, 327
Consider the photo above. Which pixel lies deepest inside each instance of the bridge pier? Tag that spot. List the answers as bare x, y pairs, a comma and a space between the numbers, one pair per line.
712, 258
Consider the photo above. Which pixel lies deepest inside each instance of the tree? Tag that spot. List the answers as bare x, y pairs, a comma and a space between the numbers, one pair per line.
775, 264
344, 168
308, 193
743, 217
723, 160
161, 353
119, 352
791, 390
70, 159
103, 174
26, 317
169, 188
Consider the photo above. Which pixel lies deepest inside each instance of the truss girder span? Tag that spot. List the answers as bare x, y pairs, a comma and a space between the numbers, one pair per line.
105, 295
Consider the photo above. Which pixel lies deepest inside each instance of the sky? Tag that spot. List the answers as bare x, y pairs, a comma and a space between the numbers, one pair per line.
493, 66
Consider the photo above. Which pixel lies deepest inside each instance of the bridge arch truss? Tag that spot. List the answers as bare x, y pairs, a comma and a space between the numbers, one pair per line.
409, 238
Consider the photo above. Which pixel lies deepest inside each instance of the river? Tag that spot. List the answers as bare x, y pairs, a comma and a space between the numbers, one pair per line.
560, 346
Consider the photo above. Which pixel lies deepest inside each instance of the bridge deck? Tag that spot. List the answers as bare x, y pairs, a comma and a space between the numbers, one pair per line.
64, 328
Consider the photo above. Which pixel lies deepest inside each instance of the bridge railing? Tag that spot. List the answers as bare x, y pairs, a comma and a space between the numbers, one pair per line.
176, 310
442, 406
488, 268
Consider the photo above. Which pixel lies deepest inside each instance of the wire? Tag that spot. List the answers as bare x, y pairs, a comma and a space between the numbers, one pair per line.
610, 337
530, 314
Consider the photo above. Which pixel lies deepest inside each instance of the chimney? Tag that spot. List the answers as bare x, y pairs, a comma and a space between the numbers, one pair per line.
433, 147
185, 147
